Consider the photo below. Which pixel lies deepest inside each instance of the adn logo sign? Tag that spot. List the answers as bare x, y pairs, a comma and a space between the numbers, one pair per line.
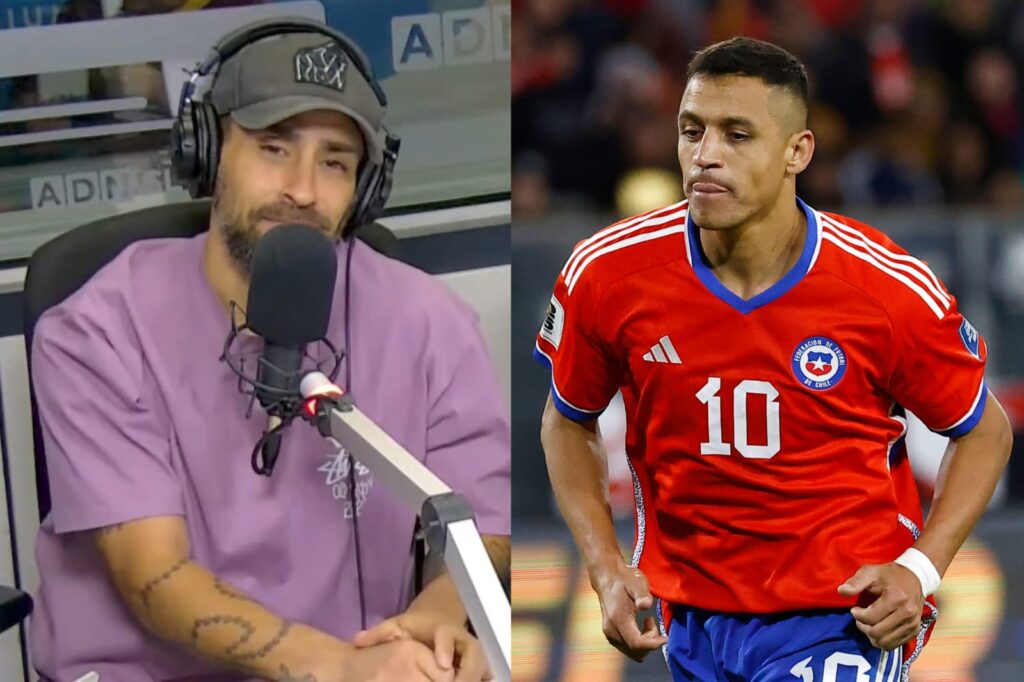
470, 36
94, 187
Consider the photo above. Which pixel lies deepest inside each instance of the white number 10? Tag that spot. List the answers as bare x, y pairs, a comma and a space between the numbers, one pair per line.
715, 445
832, 665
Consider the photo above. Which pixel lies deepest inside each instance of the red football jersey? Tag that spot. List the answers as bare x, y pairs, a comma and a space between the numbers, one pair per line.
764, 435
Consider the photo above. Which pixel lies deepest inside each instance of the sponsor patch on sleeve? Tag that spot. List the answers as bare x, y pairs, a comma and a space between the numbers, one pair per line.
969, 335
551, 330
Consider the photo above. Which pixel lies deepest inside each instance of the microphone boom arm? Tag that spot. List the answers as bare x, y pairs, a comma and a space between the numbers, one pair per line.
446, 517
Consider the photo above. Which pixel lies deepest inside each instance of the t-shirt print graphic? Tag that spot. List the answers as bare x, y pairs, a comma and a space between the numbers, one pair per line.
337, 469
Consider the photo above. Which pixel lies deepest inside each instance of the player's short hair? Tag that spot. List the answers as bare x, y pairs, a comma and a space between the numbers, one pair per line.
743, 56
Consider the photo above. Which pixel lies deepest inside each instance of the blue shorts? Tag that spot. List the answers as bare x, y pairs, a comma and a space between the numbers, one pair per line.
812, 646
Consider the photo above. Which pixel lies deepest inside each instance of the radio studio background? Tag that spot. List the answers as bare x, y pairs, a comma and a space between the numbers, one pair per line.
86, 106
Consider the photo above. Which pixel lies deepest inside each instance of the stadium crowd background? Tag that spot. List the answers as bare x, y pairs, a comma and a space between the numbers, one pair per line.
917, 114
913, 102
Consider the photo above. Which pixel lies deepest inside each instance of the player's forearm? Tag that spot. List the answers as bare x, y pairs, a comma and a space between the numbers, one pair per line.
187, 604
966, 481
578, 469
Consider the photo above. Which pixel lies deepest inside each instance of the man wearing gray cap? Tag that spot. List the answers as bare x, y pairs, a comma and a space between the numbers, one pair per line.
165, 557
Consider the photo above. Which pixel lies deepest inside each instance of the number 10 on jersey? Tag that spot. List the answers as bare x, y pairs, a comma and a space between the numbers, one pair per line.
715, 444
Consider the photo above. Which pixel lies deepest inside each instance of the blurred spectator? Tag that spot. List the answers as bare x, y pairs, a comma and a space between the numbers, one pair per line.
887, 171
966, 163
913, 102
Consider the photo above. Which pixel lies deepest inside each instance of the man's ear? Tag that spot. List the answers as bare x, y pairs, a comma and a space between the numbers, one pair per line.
799, 152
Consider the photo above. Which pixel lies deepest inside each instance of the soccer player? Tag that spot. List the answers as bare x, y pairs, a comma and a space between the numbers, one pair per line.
766, 352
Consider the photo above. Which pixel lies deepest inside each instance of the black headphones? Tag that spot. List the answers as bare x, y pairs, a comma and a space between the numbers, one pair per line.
196, 134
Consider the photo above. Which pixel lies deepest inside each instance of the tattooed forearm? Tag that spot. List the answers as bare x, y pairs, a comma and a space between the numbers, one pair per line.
231, 591
246, 626
247, 631
269, 646
147, 590
285, 676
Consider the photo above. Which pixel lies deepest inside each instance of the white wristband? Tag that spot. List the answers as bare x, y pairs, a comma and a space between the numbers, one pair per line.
918, 563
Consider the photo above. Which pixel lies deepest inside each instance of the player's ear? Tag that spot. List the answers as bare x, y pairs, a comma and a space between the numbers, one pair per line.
799, 151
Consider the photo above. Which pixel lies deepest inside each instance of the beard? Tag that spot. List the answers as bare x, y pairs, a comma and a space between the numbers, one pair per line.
239, 228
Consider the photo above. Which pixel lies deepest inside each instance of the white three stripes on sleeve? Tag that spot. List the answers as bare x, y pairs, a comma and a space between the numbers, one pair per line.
898, 261
899, 267
637, 239
612, 231
611, 239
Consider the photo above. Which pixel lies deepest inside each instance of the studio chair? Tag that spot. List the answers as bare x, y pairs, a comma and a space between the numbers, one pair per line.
61, 266
15, 606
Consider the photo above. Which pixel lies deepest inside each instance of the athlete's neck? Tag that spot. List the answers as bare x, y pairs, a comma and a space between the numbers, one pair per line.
749, 258
227, 282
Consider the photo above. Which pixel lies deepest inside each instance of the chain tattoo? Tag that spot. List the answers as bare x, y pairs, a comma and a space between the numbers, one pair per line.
231, 591
266, 648
247, 631
246, 626
147, 590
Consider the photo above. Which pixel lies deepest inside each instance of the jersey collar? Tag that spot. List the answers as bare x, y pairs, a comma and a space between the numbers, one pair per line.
695, 254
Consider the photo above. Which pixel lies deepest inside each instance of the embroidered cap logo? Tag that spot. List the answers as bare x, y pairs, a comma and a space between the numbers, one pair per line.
324, 65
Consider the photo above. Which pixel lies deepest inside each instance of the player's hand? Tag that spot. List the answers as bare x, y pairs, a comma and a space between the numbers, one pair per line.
404, 659
454, 648
894, 616
623, 591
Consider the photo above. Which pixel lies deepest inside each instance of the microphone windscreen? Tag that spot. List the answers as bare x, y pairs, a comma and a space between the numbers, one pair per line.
291, 287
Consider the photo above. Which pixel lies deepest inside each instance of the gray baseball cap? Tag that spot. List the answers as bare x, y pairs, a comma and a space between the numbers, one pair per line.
281, 76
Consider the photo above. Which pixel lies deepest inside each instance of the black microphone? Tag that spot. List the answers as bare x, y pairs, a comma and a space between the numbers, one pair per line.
291, 290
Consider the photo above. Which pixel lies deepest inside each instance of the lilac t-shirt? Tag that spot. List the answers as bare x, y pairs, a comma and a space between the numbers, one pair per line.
141, 418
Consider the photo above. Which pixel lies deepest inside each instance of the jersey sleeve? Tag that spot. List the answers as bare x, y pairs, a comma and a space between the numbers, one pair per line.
108, 449
939, 369
584, 373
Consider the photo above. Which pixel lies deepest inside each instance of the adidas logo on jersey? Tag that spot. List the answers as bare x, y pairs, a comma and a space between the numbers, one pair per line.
663, 351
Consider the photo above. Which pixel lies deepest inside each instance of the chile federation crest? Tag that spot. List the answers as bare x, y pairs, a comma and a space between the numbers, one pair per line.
819, 363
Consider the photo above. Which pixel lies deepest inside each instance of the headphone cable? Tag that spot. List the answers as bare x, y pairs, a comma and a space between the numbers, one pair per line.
352, 462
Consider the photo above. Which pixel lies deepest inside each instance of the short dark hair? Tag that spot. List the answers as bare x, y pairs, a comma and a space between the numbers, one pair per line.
755, 58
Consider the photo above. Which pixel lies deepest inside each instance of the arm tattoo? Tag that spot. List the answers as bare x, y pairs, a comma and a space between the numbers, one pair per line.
247, 632
147, 589
246, 626
231, 591
286, 676
266, 648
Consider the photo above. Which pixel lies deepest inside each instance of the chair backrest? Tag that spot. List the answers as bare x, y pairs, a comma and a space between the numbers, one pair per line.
61, 266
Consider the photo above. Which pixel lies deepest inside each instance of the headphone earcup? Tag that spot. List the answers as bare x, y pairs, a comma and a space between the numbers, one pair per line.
208, 144
362, 214
184, 148
383, 188
374, 187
